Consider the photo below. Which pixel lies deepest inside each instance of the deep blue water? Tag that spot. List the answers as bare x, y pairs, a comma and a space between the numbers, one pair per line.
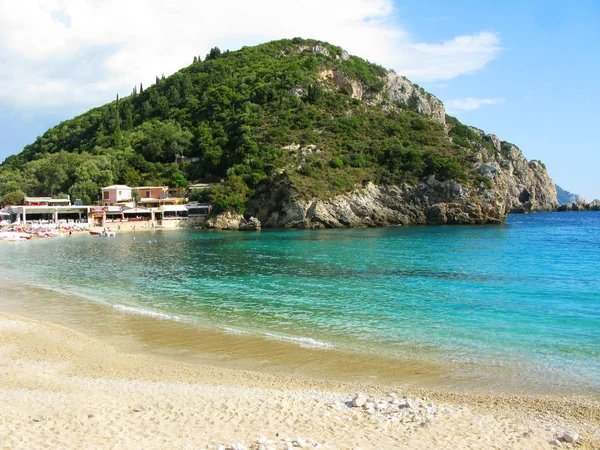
525, 294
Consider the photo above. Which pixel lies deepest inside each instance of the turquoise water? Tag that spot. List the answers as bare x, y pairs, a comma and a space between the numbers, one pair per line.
523, 295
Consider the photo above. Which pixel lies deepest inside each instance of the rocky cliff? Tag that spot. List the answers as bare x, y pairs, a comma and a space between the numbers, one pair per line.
524, 186
518, 186
513, 185
395, 89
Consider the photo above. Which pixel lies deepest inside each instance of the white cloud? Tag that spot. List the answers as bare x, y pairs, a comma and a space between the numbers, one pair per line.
458, 105
461, 55
82, 52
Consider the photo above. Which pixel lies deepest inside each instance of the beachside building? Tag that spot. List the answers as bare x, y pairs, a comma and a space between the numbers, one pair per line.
117, 193
152, 196
46, 201
48, 214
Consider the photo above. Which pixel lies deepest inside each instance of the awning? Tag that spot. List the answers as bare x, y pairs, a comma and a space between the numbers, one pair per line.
136, 210
171, 208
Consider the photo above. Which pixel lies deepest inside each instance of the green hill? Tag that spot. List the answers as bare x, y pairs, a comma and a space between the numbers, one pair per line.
234, 114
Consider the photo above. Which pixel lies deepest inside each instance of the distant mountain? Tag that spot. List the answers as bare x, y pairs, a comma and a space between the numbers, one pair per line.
563, 196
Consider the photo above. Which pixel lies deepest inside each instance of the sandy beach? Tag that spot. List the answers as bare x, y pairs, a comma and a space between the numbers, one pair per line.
63, 389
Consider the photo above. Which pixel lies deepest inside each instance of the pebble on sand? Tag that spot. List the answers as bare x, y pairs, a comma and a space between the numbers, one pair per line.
359, 400
570, 437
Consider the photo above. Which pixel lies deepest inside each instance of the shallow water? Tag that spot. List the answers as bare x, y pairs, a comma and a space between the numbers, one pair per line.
521, 300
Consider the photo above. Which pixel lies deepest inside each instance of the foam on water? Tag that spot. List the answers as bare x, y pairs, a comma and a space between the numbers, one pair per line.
148, 312
301, 341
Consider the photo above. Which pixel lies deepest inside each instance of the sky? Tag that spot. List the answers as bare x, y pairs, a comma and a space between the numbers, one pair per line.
525, 71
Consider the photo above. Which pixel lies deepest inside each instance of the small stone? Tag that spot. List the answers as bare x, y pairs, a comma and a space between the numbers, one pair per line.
238, 446
138, 409
570, 437
555, 442
300, 443
40, 419
359, 400
528, 433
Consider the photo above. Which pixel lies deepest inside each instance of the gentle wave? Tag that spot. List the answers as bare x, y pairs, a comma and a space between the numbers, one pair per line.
148, 312
235, 331
301, 341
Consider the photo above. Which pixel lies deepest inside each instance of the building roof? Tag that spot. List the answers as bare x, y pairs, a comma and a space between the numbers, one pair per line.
38, 199
116, 186
151, 187
40, 209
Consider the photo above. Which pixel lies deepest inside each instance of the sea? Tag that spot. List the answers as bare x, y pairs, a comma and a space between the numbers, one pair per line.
518, 303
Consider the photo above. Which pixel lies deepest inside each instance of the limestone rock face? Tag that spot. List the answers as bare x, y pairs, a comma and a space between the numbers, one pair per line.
353, 87
431, 202
251, 224
401, 90
525, 185
517, 185
397, 88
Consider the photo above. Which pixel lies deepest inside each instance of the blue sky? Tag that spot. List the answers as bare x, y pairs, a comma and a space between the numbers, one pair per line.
525, 71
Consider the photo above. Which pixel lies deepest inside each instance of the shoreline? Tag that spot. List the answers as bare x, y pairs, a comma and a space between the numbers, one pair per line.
131, 330
62, 385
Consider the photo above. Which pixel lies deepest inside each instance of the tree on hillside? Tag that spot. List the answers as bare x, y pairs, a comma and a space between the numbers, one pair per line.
13, 198
215, 52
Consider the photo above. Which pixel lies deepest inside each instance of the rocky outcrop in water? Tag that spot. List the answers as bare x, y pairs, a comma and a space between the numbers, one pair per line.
580, 205
230, 221
430, 202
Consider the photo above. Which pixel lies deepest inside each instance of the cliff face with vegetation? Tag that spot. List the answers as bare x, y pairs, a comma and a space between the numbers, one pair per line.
304, 135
